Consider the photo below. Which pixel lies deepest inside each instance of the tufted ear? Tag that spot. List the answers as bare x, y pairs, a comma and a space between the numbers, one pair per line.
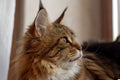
41, 6
61, 16
41, 22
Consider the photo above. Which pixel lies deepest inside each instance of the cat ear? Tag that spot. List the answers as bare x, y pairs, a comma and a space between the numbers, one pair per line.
41, 22
61, 16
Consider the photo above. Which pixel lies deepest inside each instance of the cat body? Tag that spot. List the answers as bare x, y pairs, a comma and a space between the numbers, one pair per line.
109, 50
49, 51
108, 53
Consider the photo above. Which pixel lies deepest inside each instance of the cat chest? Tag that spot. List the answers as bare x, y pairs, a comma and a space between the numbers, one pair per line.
64, 74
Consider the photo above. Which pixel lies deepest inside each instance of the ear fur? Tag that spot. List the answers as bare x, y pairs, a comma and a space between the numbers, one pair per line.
41, 22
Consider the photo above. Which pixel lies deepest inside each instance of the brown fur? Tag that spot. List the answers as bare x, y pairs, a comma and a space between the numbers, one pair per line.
101, 67
47, 47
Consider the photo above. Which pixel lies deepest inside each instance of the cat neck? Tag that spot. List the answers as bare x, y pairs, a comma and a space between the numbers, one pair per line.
65, 73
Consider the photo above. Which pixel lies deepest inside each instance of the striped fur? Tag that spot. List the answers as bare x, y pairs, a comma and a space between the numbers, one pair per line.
48, 51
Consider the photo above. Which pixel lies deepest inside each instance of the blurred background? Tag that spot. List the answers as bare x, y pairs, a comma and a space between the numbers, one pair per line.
89, 19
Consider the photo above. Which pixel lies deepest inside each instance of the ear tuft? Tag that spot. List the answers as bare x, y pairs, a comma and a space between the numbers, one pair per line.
61, 16
41, 6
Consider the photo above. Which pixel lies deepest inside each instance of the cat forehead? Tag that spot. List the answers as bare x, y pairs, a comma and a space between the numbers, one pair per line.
63, 28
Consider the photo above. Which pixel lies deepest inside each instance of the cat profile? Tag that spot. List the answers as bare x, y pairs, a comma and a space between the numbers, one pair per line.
49, 51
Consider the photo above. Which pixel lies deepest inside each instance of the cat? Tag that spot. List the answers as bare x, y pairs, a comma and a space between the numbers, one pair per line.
49, 51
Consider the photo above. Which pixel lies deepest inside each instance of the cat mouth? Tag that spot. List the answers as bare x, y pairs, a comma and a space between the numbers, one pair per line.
79, 55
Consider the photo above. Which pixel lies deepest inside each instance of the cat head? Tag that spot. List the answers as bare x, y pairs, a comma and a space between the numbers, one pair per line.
52, 43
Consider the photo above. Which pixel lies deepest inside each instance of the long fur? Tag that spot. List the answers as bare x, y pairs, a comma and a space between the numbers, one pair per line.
108, 53
48, 51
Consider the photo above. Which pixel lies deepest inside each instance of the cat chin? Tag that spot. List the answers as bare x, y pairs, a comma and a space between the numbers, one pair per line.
78, 55
73, 62
67, 69
66, 73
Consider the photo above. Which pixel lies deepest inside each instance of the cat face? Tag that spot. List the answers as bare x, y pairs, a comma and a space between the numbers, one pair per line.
53, 43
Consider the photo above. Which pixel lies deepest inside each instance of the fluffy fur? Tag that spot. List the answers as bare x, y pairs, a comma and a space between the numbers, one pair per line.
108, 55
110, 50
48, 51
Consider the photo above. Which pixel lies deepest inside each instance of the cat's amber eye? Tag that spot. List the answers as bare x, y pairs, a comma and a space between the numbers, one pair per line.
64, 40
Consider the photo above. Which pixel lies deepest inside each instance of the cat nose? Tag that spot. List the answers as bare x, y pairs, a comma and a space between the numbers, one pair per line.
77, 46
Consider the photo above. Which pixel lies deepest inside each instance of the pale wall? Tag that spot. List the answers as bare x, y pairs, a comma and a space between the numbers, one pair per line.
7, 8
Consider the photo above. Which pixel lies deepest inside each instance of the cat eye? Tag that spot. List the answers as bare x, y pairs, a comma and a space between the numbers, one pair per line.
64, 40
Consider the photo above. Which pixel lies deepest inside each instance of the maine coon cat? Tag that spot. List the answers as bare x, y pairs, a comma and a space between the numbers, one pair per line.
48, 51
